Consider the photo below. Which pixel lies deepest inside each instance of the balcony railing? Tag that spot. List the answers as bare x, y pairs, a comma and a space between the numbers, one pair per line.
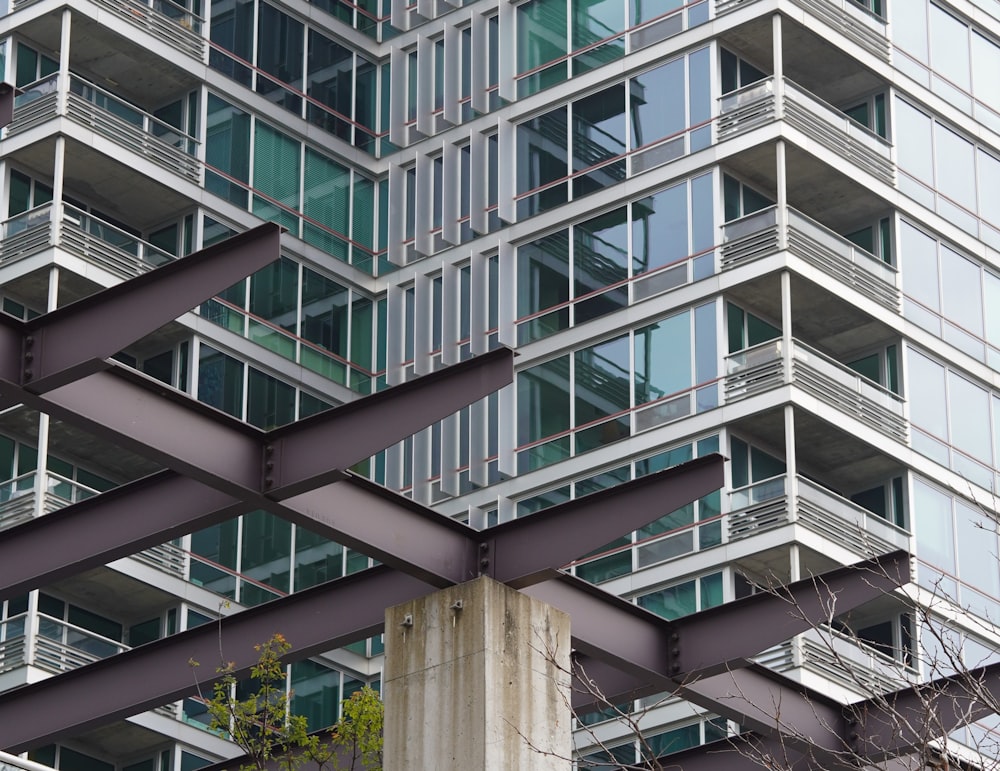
767, 100
169, 22
101, 111
762, 368
82, 234
766, 505
18, 504
856, 23
757, 235
840, 659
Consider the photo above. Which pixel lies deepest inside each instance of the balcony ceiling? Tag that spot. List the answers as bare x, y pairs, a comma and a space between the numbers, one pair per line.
108, 184
825, 451
113, 61
73, 444
811, 61
106, 591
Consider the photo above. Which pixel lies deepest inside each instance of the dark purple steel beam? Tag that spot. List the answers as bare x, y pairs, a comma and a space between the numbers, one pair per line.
664, 653
315, 620
566, 532
115, 524
902, 722
7, 94
73, 341
307, 454
765, 702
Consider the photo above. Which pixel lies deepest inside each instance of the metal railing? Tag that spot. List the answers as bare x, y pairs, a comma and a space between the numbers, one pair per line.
767, 100
61, 646
847, 17
762, 368
18, 504
110, 116
758, 235
82, 234
169, 22
765, 506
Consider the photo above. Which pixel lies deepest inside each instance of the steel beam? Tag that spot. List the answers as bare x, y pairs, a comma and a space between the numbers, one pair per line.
307, 454
905, 721
73, 341
114, 524
389, 527
315, 620
765, 702
7, 94
663, 654
558, 535
702, 645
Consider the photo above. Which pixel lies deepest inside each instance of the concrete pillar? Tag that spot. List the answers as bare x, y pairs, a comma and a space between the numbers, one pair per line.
477, 677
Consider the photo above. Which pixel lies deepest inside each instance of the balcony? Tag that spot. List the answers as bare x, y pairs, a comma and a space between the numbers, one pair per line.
167, 21
825, 659
847, 17
104, 113
758, 235
78, 233
767, 505
763, 368
19, 503
768, 100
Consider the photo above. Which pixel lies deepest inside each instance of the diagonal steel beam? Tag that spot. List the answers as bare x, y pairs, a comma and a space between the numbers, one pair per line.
560, 534
905, 721
315, 620
114, 524
306, 454
73, 341
664, 653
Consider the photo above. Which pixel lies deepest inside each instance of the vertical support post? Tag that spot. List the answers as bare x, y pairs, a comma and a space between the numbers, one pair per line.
778, 60
791, 465
42, 465
781, 220
477, 677
786, 324
62, 79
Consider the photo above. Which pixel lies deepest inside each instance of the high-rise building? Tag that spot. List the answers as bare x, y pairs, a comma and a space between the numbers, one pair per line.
767, 228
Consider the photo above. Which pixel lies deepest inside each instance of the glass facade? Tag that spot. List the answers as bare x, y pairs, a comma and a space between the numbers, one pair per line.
696, 243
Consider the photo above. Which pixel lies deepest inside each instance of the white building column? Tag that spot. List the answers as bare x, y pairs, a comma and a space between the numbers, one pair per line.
41, 467
477, 677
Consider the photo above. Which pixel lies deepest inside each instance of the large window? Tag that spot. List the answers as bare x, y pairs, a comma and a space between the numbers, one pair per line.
588, 139
609, 390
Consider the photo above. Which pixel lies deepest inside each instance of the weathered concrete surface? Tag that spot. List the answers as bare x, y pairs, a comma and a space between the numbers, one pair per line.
480, 687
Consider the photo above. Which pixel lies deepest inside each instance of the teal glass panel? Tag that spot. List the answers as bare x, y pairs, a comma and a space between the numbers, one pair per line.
544, 410
232, 29
280, 49
543, 282
325, 312
660, 229
671, 741
703, 230
45, 755
598, 139
6, 458
71, 760
220, 381
932, 525
760, 331
739, 465
600, 258
657, 103
27, 66
227, 148
19, 194
672, 602
711, 590
663, 358
270, 402
606, 568
542, 37
315, 693
542, 152
330, 83
94, 622
317, 559
144, 632
266, 555
327, 191
190, 762
592, 22
276, 175
602, 389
